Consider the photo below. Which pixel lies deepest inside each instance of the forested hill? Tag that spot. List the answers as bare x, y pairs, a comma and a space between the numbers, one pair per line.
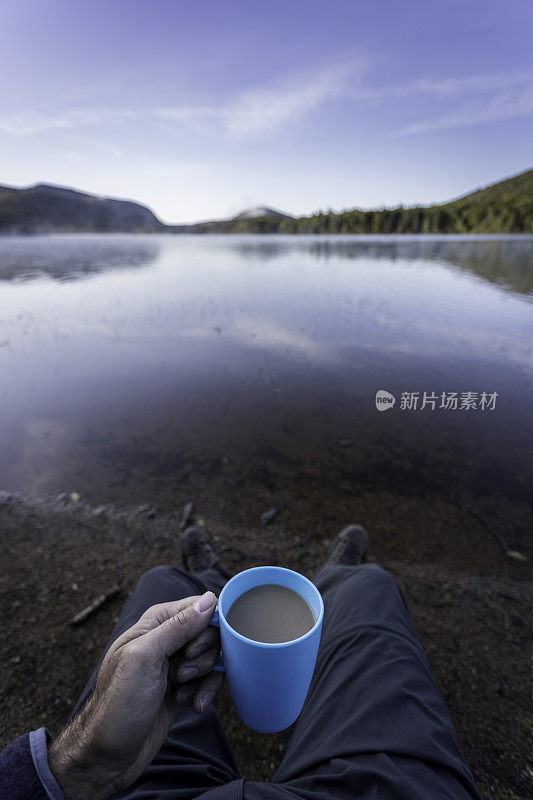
504, 207
48, 209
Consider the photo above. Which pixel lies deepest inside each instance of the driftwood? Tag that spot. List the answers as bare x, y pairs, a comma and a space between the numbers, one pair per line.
187, 512
501, 541
95, 605
514, 554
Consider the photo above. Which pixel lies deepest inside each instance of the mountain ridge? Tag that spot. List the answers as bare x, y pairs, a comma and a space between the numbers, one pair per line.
46, 208
505, 206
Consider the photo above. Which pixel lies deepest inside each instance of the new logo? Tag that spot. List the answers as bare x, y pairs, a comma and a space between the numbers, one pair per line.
384, 400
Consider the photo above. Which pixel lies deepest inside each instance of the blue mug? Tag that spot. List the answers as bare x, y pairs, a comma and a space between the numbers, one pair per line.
268, 682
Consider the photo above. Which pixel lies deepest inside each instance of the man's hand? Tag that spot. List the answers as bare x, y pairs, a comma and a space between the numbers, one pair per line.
165, 660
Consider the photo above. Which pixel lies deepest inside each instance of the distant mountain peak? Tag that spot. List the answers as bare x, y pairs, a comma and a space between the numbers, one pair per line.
262, 211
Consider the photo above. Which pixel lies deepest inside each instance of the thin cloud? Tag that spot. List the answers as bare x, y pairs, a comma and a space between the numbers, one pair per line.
505, 96
265, 109
256, 112
464, 84
32, 123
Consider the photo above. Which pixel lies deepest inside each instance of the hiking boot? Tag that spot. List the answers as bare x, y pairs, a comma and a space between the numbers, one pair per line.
198, 552
349, 547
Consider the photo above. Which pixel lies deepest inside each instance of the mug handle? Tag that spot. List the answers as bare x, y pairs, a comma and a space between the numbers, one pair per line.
215, 620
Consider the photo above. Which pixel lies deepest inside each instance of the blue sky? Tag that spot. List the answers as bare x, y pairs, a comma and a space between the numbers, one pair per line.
201, 108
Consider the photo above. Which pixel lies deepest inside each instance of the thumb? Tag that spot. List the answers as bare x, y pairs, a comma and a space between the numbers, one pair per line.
179, 629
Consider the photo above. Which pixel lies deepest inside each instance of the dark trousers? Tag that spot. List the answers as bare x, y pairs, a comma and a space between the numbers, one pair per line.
374, 724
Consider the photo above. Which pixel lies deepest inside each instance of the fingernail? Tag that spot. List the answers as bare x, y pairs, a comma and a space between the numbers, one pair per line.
184, 696
204, 602
196, 652
188, 672
205, 699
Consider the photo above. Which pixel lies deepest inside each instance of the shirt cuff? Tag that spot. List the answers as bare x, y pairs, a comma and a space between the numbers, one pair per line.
39, 752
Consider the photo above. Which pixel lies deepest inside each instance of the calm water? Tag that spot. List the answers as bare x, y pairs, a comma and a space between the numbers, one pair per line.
241, 372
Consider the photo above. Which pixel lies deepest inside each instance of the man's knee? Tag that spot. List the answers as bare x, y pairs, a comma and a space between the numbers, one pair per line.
367, 592
370, 578
175, 581
166, 576
378, 575
160, 573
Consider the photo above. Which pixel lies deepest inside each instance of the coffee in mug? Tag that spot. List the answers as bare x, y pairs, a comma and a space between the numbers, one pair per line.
271, 613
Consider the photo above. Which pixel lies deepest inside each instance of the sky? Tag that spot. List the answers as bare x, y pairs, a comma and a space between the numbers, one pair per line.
201, 108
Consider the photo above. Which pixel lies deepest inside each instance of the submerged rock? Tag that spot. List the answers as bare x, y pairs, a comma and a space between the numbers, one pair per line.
515, 555
5, 498
268, 516
97, 512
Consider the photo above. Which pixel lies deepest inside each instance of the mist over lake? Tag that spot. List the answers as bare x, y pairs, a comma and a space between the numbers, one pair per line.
240, 373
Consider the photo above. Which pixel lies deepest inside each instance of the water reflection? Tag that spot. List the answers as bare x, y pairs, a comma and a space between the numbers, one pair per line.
68, 258
503, 260
229, 370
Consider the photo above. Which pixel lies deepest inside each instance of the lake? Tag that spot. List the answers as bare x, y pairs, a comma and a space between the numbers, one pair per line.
241, 373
